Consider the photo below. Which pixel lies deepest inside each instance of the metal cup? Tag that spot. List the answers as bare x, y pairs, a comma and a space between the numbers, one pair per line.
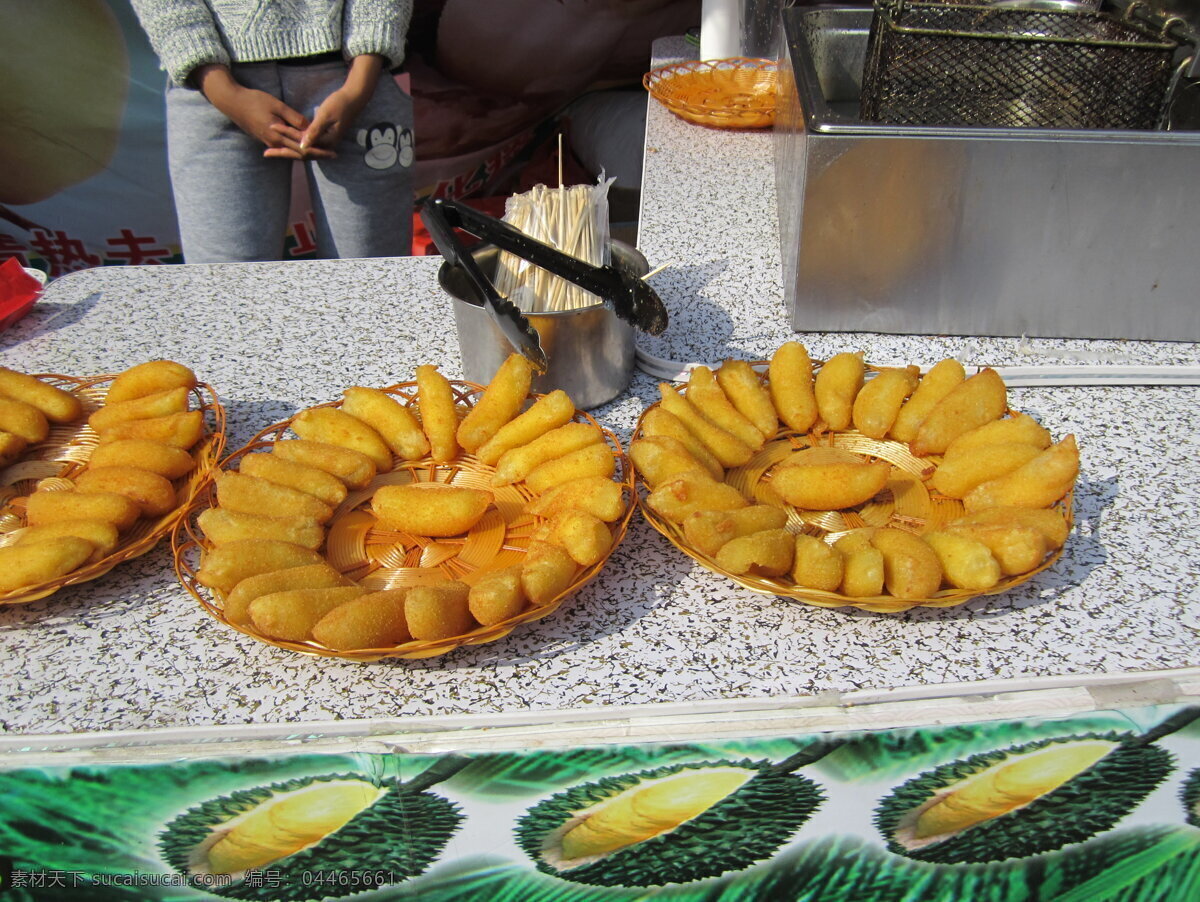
590, 350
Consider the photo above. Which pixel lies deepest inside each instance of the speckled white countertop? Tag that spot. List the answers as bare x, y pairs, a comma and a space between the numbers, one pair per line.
132, 650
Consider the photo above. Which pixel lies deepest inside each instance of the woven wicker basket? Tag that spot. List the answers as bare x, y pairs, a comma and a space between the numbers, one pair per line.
380, 559
65, 453
908, 502
738, 92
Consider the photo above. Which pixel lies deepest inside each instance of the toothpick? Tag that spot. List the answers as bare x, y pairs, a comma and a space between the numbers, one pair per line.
656, 271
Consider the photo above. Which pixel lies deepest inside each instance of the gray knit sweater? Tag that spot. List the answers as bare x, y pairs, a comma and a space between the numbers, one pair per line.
191, 33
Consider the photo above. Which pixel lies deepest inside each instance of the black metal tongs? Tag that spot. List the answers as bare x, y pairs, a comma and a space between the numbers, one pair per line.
618, 286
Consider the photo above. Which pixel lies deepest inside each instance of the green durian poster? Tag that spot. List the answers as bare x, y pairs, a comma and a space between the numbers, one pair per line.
1103, 806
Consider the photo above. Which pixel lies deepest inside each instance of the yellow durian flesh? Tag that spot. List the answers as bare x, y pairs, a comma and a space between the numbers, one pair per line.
650, 809
284, 825
1007, 786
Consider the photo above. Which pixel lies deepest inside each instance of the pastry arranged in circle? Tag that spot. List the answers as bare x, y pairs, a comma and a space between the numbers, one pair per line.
843, 483
409, 520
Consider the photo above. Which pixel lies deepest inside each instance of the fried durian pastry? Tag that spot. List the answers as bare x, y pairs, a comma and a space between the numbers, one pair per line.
497, 596
252, 495
911, 569
748, 395
660, 458
790, 381
598, 495
153, 494
37, 562
308, 576
332, 426
712, 402
224, 566
593, 460
353, 468
56, 405
830, 486
767, 553
429, 509
149, 378
549, 412
441, 611
11, 447
1039, 483
54, 507
303, 477
817, 564
439, 415
396, 425
708, 530
693, 491
222, 526
23, 420
148, 407
500, 402
179, 430
659, 423
726, 447
518, 463
376, 620
879, 401
836, 386
165, 460
546, 573
102, 534
978, 400
961, 471
291, 615
942, 378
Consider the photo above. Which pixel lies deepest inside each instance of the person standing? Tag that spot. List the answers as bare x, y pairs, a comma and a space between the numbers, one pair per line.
255, 85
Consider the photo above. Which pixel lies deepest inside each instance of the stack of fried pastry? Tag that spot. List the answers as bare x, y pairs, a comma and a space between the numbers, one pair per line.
145, 430
1003, 468
267, 530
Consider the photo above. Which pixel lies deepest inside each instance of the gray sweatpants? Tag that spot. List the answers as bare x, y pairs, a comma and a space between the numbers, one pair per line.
232, 203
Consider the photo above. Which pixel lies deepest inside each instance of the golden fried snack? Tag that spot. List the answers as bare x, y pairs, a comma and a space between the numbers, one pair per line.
437, 612
332, 426
768, 553
546, 573
144, 454
153, 494
817, 564
179, 430
376, 620
11, 447
943, 377
790, 382
1039, 483
863, 570
966, 562
429, 508
102, 534
961, 471
693, 491
56, 404
730, 450
252, 495
222, 526
292, 614
148, 379
976, 401
582, 536
1016, 548
395, 424
748, 395
710, 399
497, 596
37, 562
591, 460
500, 402
53, 507
660, 458
149, 407
309, 576
598, 495
879, 401
518, 463
911, 569
224, 566
657, 422
1018, 429
1048, 521
352, 467
439, 416
302, 477
836, 386
830, 486
23, 420
707, 531
549, 412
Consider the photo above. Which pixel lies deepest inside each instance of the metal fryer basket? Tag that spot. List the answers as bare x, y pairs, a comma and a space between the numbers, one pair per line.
950, 64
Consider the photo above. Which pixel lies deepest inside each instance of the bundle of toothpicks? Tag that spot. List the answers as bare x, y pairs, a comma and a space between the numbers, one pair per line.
572, 219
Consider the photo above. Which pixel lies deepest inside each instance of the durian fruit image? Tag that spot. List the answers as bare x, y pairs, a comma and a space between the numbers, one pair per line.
1021, 801
672, 824
1190, 796
305, 827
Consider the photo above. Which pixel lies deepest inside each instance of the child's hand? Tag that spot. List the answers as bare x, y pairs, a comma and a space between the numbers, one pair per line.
336, 114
